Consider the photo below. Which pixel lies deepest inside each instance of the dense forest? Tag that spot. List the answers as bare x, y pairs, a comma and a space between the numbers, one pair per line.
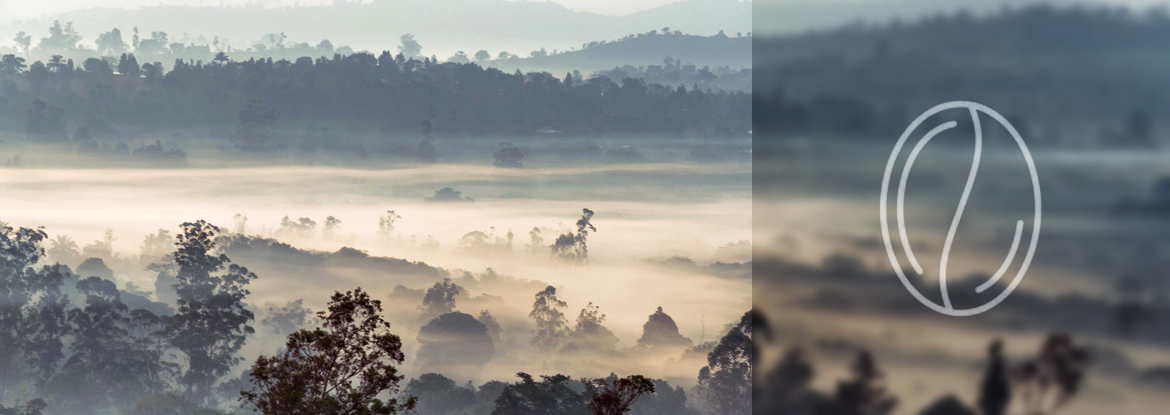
388, 94
1088, 75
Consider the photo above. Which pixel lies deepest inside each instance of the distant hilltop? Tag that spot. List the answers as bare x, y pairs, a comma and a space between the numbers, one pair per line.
443, 26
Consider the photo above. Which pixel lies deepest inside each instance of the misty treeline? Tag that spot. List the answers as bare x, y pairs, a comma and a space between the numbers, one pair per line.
1061, 75
1040, 384
74, 342
257, 104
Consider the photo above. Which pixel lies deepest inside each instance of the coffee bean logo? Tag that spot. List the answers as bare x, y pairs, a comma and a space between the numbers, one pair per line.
975, 110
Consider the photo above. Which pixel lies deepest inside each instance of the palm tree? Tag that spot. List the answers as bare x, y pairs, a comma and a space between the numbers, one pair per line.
63, 248
56, 63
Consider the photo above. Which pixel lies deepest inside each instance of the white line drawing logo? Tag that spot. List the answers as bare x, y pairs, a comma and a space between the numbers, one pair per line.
946, 308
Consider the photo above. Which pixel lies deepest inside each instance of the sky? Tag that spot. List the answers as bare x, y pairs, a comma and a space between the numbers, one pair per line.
24, 9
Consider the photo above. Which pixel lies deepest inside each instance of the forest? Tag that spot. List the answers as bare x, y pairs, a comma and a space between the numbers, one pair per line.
77, 343
256, 103
1085, 76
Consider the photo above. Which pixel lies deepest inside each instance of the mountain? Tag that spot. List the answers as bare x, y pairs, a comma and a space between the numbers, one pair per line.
643, 49
441, 26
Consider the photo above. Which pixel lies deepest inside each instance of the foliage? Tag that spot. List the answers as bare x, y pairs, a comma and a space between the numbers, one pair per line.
572, 248
339, 368
553, 395
551, 324
613, 396
864, 394
212, 321
590, 332
438, 394
726, 381
455, 344
439, 299
261, 100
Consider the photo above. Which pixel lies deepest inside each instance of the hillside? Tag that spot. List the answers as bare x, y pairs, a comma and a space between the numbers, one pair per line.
442, 26
1086, 72
647, 49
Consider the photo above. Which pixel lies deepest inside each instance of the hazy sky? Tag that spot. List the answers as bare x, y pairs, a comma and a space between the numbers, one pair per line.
21, 9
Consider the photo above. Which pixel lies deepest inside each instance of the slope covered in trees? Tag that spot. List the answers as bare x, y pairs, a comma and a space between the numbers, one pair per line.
1082, 74
251, 102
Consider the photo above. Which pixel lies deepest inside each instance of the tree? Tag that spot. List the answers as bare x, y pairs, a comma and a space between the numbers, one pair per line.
338, 368
60, 37
111, 43
553, 395
572, 247
409, 47
551, 325
439, 299
508, 156
660, 330
591, 333
152, 70
613, 396
995, 391
64, 249
23, 40
11, 64
482, 56
212, 321
438, 394
459, 57
864, 394
56, 63
127, 65
256, 124
455, 344
726, 381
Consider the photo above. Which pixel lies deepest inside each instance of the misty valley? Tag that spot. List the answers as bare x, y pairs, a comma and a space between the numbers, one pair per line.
295, 229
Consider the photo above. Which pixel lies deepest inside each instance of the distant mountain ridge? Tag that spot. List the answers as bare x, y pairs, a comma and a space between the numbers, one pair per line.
442, 26
731, 50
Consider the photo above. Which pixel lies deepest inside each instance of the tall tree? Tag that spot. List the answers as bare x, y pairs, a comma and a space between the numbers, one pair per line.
212, 321
551, 324
726, 381
571, 247
339, 368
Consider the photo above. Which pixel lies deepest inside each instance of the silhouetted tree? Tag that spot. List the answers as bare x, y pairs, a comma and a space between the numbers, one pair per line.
438, 394
591, 333
571, 247
439, 299
660, 330
212, 321
726, 381
339, 368
995, 391
551, 325
1059, 370
613, 396
864, 394
455, 344
508, 156
553, 395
